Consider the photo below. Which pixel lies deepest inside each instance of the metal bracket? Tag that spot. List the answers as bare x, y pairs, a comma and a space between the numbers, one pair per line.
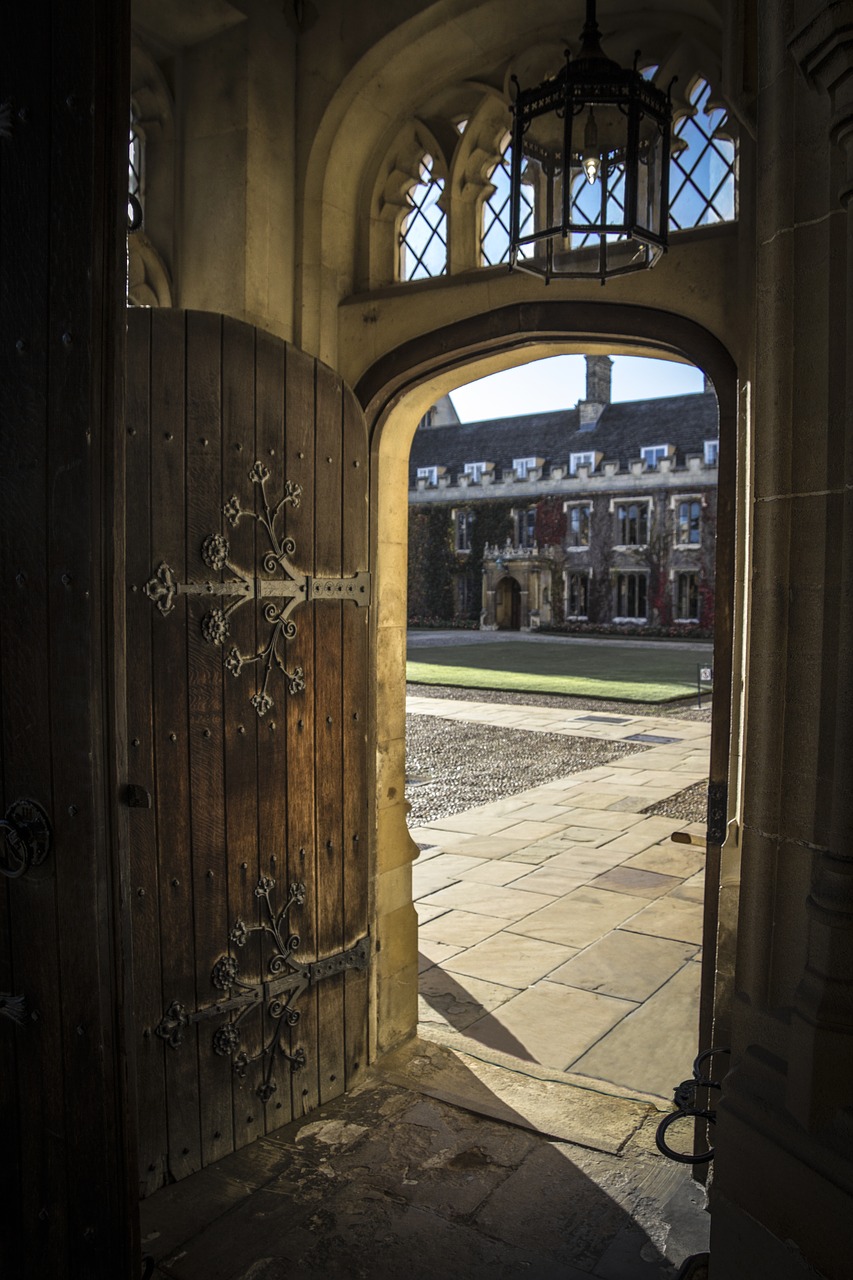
27, 835
718, 808
277, 994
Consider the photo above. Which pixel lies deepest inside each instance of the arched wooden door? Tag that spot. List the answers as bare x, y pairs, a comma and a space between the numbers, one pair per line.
247, 494
508, 605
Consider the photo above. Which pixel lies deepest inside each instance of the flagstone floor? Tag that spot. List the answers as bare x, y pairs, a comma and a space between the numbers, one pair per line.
562, 926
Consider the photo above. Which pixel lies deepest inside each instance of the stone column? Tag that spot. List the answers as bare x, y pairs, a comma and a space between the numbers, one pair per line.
783, 1189
820, 1077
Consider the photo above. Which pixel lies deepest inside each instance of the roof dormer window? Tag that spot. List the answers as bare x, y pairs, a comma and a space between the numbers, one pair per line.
523, 466
429, 475
652, 454
585, 459
712, 452
476, 470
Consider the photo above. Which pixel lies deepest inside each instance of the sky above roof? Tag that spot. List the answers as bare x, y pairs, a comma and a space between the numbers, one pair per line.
558, 382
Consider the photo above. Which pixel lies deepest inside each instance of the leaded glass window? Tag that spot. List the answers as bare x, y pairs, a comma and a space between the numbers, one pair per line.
631, 591
423, 236
702, 172
577, 595
494, 239
632, 522
134, 176
688, 530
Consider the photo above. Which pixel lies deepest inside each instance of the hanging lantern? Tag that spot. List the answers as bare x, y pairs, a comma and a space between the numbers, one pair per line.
590, 169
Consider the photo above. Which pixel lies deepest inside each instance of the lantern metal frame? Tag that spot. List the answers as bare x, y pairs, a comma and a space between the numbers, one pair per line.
590, 82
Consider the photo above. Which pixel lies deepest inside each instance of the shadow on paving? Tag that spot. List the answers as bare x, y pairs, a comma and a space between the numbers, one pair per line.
387, 1183
455, 1004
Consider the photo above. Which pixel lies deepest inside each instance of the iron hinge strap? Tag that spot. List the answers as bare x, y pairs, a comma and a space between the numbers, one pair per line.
356, 589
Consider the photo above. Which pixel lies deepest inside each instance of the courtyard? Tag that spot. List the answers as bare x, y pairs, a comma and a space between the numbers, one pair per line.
560, 926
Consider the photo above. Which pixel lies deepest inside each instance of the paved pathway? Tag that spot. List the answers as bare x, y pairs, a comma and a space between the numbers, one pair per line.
562, 925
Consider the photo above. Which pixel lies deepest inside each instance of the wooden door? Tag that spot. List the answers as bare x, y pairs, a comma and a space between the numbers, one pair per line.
247, 726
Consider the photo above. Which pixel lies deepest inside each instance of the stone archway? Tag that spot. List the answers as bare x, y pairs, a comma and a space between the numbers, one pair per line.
395, 392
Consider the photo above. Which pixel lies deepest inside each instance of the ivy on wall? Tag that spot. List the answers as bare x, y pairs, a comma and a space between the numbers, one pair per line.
432, 563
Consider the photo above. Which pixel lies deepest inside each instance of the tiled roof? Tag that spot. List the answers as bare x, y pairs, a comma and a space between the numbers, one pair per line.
684, 421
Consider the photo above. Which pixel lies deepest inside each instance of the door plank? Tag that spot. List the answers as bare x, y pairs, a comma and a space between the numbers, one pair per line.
205, 702
301, 840
272, 727
328, 736
240, 721
171, 756
145, 895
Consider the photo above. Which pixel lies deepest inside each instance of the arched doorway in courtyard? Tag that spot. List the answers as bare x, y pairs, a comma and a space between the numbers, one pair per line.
508, 604
396, 393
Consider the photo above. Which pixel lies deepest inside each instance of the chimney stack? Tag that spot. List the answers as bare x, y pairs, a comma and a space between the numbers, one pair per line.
598, 375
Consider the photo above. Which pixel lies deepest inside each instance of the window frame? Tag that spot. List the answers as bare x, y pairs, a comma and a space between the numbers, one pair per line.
625, 579
707, 446
583, 577
694, 594
430, 474
625, 505
687, 500
463, 519
582, 508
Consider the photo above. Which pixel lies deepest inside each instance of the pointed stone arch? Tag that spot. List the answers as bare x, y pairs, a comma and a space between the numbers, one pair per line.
395, 392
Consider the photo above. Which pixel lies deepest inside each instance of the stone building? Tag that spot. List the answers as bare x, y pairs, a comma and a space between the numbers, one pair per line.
609, 512
186, 601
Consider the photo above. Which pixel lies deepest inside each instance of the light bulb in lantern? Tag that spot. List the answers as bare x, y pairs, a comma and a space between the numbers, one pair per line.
591, 157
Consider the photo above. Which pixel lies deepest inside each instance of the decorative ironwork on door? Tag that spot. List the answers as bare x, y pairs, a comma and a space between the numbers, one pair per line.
278, 992
280, 595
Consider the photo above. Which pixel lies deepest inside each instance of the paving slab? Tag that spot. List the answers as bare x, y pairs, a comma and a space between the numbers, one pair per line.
431, 952
512, 959
668, 918
553, 1024
580, 918
461, 928
669, 859
554, 880
575, 859
658, 1033
425, 913
623, 964
489, 899
501, 871
646, 884
459, 1000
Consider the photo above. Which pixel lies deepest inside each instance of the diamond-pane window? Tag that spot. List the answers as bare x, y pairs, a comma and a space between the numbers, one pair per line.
702, 173
134, 177
494, 239
423, 236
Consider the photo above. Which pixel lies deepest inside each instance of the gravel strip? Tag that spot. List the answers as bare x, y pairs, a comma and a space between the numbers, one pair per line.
684, 709
689, 805
451, 767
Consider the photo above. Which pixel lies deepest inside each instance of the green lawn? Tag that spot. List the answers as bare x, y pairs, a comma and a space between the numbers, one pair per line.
629, 672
